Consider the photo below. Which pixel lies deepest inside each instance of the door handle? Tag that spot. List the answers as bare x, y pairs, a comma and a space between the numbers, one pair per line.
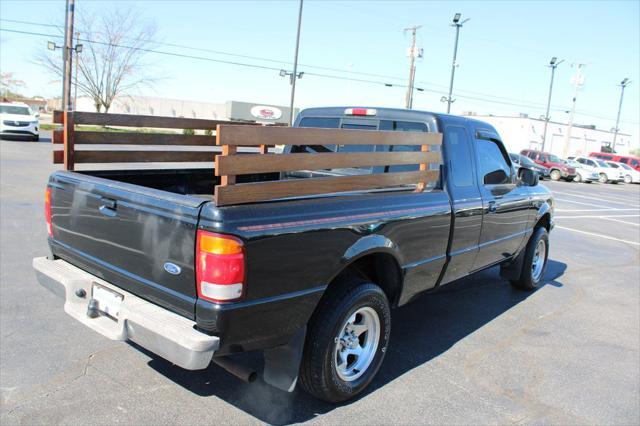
492, 206
108, 207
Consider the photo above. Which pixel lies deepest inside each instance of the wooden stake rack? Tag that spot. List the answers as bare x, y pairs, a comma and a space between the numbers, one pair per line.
229, 164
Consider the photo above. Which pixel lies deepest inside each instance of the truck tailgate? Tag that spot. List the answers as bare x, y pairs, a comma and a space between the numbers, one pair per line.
137, 238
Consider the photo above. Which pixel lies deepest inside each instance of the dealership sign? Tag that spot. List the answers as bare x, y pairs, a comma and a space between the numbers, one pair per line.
262, 112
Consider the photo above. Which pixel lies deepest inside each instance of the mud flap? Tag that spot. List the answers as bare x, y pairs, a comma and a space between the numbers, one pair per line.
282, 364
513, 270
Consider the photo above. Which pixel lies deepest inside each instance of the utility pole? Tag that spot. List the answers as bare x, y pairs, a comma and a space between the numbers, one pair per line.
553, 64
458, 25
578, 81
295, 66
75, 89
624, 83
413, 54
68, 42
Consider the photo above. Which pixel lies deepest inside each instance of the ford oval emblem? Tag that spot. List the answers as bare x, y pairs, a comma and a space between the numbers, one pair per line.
172, 268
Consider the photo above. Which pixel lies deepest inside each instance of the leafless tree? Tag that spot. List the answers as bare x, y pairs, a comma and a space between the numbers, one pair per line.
9, 85
112, 63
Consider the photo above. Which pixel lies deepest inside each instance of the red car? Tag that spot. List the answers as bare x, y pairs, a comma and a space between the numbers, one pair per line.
557, 168
630, 160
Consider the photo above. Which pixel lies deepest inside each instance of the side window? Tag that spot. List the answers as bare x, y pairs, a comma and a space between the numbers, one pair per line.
531, 155
634, 163
581, 160
459, 156
624, 160
493, 163
591, 163
403, 126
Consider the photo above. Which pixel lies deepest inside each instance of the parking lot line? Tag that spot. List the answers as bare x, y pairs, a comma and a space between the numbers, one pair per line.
620, 221
597, 210
597, 216
598, 235
580, 202
607, 199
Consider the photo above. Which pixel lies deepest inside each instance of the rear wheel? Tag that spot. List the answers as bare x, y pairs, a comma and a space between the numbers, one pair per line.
535, 261
603, 178
555, 175
346, 341
627, 179
578, 178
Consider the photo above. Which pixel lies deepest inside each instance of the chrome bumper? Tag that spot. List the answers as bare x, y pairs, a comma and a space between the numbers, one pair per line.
160, 331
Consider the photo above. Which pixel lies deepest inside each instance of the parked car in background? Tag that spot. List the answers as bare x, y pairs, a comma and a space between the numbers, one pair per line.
522, 161
630, 160
557, 169
17, 119
630, 175
605, 172
583, 173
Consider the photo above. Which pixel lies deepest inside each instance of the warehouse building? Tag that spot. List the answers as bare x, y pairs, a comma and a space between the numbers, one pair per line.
523, 132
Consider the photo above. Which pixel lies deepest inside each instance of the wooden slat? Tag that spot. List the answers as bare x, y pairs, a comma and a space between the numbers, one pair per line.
142, 156
245, 164
131, 138
254, 135
58, 137
261, 191
130, 120
58, 157
58, 117
69, 131
228, 179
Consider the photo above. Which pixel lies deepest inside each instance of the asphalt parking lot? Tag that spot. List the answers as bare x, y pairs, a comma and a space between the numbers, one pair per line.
477, 351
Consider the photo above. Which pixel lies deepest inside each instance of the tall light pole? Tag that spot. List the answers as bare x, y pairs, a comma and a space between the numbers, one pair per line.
553, 64
458, 25
413, 54
67, 55
295, 66
577, 81
624, 83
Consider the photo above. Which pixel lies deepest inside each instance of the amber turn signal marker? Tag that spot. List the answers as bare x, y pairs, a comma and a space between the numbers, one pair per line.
212, 243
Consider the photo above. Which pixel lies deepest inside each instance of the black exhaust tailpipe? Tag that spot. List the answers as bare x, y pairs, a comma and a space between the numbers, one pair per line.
242, 372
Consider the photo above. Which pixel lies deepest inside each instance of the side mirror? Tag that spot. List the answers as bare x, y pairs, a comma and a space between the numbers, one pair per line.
37, 115
528, 177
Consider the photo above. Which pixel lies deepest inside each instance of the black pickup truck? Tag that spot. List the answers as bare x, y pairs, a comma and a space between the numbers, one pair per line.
144, 256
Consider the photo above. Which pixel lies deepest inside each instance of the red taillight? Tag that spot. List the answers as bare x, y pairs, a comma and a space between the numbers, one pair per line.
47, 211
359, 111
219, 267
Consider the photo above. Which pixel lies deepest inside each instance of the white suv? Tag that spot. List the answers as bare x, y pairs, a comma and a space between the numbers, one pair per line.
17, 119
605, 171
630, 175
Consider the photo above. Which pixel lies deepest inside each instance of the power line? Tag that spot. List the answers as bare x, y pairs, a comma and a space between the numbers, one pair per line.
335, 77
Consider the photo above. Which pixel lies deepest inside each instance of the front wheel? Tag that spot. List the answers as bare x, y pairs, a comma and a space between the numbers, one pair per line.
603, 178
578, 178
627, 179
555, 175
535, 261
346, 341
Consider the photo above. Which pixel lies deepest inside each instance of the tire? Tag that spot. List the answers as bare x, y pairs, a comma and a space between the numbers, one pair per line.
361, 303
628, 179
35, 138
603, 178
555, 175
532, 272
578, 178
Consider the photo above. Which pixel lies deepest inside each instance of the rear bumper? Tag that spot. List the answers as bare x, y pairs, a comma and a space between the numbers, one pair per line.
160, 331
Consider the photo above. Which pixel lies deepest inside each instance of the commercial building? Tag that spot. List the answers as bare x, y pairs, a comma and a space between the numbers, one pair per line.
164, 107
524, 132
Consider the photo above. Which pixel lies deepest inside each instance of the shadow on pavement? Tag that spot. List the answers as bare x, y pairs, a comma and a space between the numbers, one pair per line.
430, 326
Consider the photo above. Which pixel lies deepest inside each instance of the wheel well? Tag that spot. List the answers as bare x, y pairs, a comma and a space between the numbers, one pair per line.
379, 268
544, 221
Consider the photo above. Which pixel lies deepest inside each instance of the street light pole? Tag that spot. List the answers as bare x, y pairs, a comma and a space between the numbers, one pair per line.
553, 64
68, 46
578, 81
413, 53
624, 83
458, 25
295, 66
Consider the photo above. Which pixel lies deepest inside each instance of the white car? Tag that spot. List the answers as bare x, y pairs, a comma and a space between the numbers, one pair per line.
630, 175
17, 119
583, 173
605, 171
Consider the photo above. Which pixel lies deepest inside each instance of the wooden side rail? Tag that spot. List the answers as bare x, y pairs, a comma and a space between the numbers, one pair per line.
172, 144
229, 164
